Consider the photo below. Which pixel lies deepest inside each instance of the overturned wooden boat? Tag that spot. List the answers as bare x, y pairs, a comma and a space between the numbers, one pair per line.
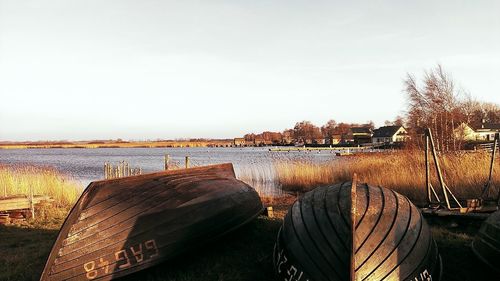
486, 244
124, 225
391, 239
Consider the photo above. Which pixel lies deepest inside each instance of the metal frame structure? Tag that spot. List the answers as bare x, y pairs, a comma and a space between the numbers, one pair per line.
444, 188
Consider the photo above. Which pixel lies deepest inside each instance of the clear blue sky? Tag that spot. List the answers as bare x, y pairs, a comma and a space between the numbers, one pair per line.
178, 69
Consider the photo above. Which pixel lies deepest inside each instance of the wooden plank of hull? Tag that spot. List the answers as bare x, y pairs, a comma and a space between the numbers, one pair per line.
486, 244
124, 225
392, 240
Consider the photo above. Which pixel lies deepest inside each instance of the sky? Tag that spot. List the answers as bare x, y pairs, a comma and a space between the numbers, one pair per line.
97, 69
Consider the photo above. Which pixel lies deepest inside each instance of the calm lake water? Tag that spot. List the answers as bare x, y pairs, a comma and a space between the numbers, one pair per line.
252, 165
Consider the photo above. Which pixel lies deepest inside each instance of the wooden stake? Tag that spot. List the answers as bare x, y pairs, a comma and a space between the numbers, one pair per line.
187, 162
166, 161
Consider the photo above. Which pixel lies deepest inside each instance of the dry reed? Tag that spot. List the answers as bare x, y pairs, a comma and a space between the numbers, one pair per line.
17, 180
464, 173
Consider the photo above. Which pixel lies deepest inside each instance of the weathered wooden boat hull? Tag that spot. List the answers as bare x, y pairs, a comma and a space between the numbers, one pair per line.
486, 244
124, 225
391, 239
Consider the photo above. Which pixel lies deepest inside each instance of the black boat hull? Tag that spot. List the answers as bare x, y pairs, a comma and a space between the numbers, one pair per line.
486, 244
391, 239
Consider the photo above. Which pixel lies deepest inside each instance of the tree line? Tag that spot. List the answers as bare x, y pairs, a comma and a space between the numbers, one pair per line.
434, 101
307, 132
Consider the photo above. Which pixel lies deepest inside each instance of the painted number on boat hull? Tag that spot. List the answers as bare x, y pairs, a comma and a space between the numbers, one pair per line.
423, 276
124, 258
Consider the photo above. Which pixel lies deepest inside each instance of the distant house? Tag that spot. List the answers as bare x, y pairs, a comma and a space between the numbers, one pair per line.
389, 135
319, 141
239, 142
486, 132
334, 139
465, 132
361, 134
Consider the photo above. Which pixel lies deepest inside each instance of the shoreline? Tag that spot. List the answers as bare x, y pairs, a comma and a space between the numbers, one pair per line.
132, 144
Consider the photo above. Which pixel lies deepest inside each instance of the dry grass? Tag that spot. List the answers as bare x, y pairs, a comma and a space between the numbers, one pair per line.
464, 173
15, 180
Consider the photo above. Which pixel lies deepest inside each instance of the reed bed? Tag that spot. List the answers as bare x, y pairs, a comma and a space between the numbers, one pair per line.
465, 173
18, 180
261, 177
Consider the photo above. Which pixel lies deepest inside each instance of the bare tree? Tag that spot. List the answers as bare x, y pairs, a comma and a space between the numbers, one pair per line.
436, 104
306, 132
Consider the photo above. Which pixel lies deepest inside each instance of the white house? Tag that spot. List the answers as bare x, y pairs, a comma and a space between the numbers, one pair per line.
486, 132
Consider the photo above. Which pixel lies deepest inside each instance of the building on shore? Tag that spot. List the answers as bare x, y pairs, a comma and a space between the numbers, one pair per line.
361, 135
239, 142
389, 135
486, 132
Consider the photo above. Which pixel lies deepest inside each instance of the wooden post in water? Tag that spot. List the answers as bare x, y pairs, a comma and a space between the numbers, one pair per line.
166, 161
187, 162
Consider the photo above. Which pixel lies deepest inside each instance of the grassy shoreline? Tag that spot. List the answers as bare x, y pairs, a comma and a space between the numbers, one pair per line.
403, 171
247, 253
19, 180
